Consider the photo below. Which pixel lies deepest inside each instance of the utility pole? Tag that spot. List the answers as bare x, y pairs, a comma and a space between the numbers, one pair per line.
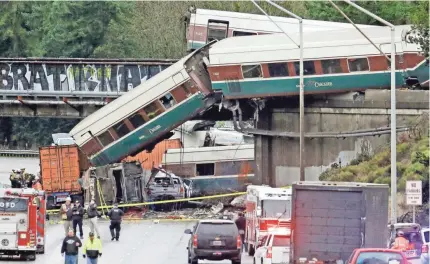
393, 111
301, 91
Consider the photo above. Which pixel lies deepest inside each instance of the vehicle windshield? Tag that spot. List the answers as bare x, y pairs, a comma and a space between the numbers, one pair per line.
281, 241
13, 204
276, 208
380, 258
214, 229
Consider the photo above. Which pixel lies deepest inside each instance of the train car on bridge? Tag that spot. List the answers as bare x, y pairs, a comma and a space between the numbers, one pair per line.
205, 25
144, 116
334, 61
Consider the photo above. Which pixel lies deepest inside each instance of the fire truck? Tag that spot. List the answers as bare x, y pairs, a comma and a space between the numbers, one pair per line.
22, 223
267, 208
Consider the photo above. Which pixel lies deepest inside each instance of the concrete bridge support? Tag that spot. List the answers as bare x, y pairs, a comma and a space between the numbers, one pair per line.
277, 158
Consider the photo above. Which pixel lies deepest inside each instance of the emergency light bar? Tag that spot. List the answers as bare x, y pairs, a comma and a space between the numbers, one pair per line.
26, 191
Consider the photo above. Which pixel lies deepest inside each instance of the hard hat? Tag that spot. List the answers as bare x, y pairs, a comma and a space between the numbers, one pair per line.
91, 234
68, 199
400, 233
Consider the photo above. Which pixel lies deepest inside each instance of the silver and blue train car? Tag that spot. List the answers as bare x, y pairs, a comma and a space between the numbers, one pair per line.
139, 119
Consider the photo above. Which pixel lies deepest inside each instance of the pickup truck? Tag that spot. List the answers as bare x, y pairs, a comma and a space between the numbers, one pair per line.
163, 185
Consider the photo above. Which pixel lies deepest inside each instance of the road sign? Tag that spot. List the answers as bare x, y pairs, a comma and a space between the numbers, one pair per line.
414, 194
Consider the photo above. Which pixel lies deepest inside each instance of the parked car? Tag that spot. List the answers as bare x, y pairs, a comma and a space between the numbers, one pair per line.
214, 240
425, 255
377, 255
274, 248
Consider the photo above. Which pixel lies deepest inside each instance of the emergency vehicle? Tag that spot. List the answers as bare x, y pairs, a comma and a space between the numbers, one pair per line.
274, 247
22, 222
266, 208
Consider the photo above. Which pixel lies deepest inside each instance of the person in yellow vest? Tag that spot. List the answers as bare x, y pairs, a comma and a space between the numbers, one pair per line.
401, 243
92, 249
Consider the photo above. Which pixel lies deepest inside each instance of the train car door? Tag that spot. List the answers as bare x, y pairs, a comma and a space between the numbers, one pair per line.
217, 30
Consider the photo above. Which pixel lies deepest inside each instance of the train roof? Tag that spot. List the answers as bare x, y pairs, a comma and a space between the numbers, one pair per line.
260, 23
327, 44
126, 98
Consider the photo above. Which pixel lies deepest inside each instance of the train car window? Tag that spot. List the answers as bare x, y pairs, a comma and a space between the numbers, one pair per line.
243, 33
152, 110
278, 69
331, 66
121, 129
205, 169
217, 30
168, 100
358, 64
251, 71
136, 120
308, 67
105, 138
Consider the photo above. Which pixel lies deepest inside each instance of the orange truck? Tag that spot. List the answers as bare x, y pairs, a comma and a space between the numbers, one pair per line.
61, 167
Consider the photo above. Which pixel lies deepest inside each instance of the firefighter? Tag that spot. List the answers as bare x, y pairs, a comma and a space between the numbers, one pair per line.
92, 215
401, 243
70, 248
241, 226
13, 179
92, 249
36, 184
115, 215
77, 217
66, 214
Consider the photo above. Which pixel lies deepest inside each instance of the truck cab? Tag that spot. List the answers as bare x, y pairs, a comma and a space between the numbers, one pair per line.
22, 222
266, 208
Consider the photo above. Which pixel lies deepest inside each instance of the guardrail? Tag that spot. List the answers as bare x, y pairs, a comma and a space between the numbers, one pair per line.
18, 153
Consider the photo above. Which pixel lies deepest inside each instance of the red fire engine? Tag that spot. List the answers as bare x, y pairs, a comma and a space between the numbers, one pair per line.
266, 208
22, 222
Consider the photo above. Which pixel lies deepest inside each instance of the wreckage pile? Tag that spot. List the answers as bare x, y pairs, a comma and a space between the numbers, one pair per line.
231, 209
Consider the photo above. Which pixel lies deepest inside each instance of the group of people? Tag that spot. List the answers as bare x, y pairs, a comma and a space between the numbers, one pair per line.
72, 215
19, 178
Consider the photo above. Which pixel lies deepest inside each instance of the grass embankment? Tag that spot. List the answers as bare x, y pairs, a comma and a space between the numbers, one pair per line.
413, 164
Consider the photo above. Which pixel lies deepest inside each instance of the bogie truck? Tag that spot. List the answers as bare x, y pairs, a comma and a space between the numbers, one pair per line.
331, 219
60, 169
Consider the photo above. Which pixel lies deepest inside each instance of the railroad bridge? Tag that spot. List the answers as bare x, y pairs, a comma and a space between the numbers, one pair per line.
68, 88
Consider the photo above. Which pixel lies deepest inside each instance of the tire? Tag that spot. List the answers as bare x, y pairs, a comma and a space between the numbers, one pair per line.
194, 261
31, 257
41, 250
236, 262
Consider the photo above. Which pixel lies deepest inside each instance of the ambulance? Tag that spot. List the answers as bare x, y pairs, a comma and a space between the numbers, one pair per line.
267, 208
22, 223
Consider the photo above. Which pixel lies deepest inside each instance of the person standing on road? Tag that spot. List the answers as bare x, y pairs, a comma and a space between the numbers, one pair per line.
92, 215
66, 214
241, 225
92, 249
70, 248
115, 215
401, 243
77, 217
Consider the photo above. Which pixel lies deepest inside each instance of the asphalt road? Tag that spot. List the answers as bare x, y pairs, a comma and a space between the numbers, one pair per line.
140, 242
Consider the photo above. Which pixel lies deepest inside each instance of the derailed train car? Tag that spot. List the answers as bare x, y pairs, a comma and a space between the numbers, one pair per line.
144, 116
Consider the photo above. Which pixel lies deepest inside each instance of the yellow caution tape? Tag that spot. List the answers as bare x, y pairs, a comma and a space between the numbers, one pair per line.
170, 201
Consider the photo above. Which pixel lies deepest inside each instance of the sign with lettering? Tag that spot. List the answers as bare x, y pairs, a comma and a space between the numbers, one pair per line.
414, 194
13, 205
85, 75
